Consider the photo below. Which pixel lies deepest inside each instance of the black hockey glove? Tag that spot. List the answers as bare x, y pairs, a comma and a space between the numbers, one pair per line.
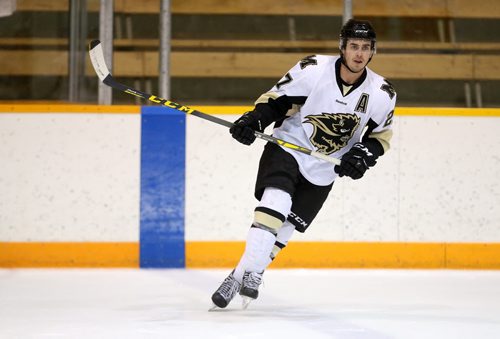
356, 161
243, 129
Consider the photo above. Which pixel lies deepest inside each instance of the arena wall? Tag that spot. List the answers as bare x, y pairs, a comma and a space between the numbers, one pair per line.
124, 186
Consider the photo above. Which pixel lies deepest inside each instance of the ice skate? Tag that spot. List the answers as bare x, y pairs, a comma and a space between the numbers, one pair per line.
250, 287
226, 292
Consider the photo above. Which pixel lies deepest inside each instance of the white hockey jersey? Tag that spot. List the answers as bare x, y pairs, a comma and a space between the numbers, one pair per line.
322, 118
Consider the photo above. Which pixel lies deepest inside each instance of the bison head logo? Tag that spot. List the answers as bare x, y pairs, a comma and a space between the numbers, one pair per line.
332, 131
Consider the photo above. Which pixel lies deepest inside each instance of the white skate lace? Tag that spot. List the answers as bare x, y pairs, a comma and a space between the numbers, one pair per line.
252, 280
229, 287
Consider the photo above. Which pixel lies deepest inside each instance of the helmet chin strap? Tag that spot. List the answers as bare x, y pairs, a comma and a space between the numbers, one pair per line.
342, 59
349, 68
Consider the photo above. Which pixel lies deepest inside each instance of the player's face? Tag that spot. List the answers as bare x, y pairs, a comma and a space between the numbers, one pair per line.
357, 54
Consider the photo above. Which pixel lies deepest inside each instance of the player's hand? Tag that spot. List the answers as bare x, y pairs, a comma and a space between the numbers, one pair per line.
355, 162
243, 129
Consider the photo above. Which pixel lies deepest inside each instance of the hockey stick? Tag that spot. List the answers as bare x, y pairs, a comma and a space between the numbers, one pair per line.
97, 59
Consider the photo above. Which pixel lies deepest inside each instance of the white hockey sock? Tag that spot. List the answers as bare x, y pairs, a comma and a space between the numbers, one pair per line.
260, 241
257, 250
284, 235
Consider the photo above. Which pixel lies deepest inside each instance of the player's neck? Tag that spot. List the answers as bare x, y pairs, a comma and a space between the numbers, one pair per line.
348, 76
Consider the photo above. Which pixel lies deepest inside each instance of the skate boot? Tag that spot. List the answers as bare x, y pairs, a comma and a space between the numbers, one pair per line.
250, 287
226, 292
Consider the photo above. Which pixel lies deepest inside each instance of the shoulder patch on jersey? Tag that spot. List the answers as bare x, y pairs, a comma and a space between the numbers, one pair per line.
332, 131
308, 61
387, 87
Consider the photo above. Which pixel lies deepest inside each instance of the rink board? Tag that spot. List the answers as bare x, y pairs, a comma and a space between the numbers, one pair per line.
107, 186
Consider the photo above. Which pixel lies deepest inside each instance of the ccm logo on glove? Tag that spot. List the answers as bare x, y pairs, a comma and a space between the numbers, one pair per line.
356, 161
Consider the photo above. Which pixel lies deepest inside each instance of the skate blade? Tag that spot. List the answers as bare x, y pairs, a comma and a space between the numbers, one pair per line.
245, 302
214, 308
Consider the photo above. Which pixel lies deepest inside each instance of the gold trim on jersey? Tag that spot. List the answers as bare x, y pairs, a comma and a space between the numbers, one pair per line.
346, 89
264, 98
383, 137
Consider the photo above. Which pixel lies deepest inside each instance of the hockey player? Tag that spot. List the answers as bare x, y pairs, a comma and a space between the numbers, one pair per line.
332, 104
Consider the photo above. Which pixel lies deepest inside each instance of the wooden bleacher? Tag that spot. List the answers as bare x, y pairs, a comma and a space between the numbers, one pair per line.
311, 45
249, 65
204, 58
396, 8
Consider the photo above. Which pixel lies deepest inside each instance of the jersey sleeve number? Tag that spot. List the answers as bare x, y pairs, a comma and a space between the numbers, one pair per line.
388, 121
287, 78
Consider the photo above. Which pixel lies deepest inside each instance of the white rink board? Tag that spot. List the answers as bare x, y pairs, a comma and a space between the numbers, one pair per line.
440, 182
75, 177
220, 174
450, 179
69, 177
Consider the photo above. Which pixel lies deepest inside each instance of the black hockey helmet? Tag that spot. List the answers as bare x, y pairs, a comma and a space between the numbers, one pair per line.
357, 29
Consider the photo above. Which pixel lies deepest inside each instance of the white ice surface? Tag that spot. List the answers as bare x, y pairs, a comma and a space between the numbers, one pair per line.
305, 304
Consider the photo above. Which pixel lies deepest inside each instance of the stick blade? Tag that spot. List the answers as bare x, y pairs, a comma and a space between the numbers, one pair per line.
97, 59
